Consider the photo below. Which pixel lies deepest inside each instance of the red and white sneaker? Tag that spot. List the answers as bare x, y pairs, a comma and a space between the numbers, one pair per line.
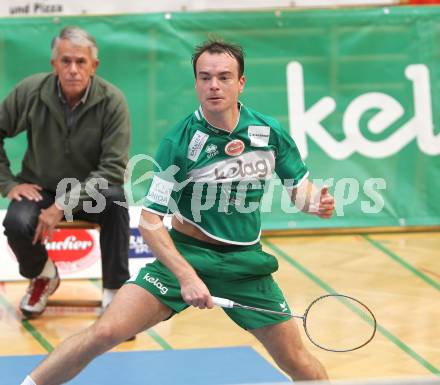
34, 301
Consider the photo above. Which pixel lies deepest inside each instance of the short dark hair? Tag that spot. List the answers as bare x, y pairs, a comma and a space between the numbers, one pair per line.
219, 46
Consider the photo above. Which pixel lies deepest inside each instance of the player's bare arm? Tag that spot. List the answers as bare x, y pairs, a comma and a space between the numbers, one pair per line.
194, 291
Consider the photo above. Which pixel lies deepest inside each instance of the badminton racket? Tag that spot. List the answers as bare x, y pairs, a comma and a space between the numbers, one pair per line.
333, 322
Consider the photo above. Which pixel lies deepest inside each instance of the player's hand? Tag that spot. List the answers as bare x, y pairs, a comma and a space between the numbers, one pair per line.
27, 190
326, 205
195, 293
47, 221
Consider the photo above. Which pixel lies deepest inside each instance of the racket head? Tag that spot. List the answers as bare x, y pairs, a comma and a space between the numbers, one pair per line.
339, 323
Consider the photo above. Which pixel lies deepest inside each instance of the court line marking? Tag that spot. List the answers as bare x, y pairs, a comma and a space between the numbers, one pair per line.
402, 262
27, 325
151, 332
48, 346
156, 337
382, 330
430, 272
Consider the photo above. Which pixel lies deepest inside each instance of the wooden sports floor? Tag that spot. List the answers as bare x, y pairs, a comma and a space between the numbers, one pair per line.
397, 275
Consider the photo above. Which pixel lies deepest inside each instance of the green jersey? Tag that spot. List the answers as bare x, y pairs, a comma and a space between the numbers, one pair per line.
215, 179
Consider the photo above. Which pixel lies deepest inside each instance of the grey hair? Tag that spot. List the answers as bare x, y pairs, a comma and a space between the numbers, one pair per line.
76, 36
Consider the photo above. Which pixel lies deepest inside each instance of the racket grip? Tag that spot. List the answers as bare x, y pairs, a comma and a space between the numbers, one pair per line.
223, 302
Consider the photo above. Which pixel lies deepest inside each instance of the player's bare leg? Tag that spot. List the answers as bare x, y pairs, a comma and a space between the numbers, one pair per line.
283, 342
132, 310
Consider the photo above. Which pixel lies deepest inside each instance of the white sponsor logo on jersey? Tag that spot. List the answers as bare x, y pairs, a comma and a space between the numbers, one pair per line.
250, 165
211, 150
160, 191
196, 145
259, 135
155, 281
243, 170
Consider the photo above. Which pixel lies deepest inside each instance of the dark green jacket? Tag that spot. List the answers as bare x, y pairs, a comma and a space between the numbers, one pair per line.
96, 147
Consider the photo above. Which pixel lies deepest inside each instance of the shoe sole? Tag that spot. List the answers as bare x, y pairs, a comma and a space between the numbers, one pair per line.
31, 314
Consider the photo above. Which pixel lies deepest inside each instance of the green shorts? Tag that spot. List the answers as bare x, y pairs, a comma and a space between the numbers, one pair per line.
239, 273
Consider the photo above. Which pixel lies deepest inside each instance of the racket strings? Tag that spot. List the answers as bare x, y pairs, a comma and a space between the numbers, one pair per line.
339, 323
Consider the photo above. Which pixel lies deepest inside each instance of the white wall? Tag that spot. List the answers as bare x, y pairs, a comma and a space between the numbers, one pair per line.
78, 7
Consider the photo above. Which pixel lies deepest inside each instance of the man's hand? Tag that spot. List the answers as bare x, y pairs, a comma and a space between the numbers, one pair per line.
47, 221
195, 293
26, 190
326, 204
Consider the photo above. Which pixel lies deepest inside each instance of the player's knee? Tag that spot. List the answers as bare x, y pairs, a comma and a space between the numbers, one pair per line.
296, 363
105, 335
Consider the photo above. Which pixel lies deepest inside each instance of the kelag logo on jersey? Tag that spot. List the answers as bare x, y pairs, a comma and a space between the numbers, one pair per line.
250, 165
138, 248
239, 169
71, 250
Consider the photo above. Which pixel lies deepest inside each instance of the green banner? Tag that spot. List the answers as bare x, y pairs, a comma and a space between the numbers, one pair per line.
358, 89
